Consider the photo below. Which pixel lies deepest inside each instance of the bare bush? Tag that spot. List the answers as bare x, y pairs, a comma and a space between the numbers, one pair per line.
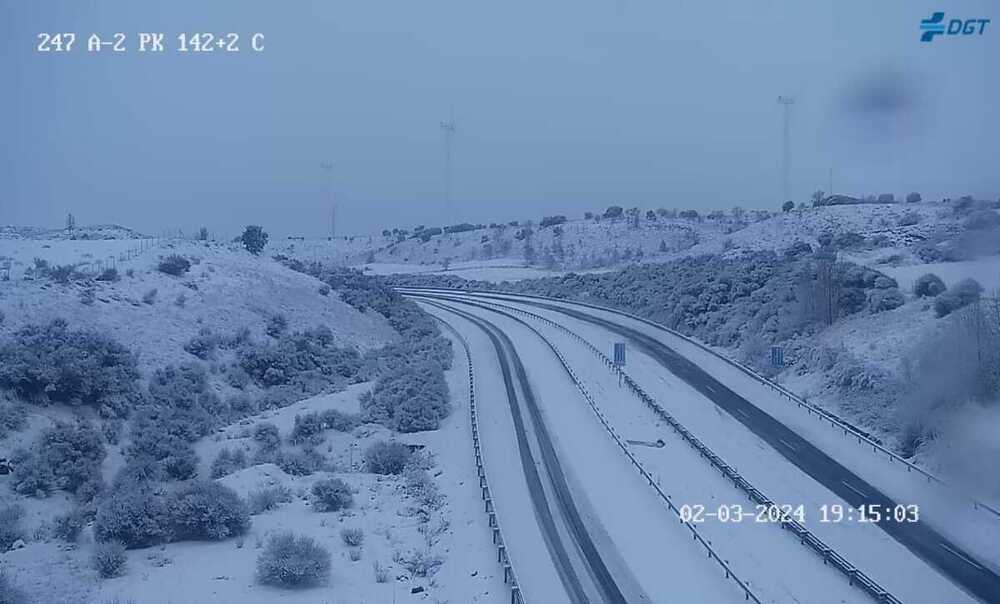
268, 499
293, 561
109, 559
353, 537
384, 457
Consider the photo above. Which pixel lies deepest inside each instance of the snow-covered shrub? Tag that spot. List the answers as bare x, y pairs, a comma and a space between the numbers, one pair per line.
880, 300
299, 463
13, 417
352, 537
913, 197
68, 526
324, 290
150, 297
961, 294
277, 324
202, 345
293, 561
109, 559
851, 300
62, 457
228, 461
267, 436
180, 408
419, 359
409, 399
11, 528
382, 457
268, 499
331, 495
174, 264
207, 511
884, 282
134, 515
52, 363
306, 358
928, 285
419, 485
421, 562
380, 571
308, 427
237, 377
848, 240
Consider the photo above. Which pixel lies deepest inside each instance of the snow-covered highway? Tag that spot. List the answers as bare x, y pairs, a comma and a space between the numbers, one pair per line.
911, 561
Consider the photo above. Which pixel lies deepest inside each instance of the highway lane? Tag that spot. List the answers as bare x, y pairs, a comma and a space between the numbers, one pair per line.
949, 558
583, 571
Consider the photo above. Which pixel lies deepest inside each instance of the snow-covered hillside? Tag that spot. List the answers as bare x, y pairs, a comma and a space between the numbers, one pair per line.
893, 235
140, 376
225, 290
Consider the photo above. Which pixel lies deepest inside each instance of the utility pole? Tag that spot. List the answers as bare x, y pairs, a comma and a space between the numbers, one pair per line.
786, 154
328, 168
448, 127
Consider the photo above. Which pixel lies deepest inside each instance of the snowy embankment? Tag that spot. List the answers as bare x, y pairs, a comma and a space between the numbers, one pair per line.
391, 521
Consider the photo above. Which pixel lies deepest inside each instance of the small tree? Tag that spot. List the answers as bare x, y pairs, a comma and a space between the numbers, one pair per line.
913, 197
817, 198
203, 234
788, 206
70, 222
928, 285
614, 212
254, 239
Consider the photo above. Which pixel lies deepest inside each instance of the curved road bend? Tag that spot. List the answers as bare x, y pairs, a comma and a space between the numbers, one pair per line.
949, 558
583, 572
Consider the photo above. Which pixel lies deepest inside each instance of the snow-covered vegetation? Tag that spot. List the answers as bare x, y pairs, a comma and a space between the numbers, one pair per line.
134, 399
870, 303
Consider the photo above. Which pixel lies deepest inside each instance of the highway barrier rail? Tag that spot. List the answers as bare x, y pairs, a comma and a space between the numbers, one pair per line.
503, 559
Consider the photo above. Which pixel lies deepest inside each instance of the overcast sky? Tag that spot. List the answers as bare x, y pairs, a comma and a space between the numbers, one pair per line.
560, 107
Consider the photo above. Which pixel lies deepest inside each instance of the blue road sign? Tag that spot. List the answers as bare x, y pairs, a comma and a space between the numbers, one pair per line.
777, 356
619, 355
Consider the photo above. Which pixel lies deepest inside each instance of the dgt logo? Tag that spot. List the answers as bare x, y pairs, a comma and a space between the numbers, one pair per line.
955, 27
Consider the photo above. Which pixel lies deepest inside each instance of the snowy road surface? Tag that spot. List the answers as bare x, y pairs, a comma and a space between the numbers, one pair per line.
927, 567
613, 533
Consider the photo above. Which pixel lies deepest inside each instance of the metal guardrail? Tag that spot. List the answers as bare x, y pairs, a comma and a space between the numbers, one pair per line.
623, 445
829, 556
823, 414
503, 559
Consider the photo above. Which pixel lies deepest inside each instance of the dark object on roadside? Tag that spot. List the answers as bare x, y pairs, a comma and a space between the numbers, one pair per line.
6, 467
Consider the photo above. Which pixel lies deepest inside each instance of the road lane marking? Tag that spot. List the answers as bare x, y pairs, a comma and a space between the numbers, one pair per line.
855, 489
742, 412
787, 444
960, 556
